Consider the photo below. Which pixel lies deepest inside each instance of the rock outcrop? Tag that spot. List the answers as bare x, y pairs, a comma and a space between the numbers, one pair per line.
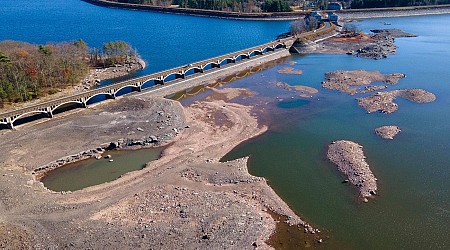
387, 132
384, 101
351, 81
350, 160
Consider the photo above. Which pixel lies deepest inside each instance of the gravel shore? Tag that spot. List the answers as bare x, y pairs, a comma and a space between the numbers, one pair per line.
97, 75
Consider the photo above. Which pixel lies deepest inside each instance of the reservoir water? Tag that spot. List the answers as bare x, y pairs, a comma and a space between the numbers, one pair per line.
163, 40
412, 210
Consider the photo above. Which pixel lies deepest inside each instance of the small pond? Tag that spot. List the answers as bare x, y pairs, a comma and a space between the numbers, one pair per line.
90, 172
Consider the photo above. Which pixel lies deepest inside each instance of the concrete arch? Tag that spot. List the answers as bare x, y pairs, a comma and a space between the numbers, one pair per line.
243, 56
28, 113
279, 45
64, 103
89, 98
176, 74
146, 81
196, 70
213, 64
126, 86
227, 59
270, 48
257, 52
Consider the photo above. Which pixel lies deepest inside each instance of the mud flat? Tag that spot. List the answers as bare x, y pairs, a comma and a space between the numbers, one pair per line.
351, 81
384, 101
185, 199
387, 132
350, 160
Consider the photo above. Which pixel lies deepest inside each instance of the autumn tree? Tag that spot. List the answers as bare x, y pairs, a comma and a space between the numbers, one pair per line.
117, 52
27, 70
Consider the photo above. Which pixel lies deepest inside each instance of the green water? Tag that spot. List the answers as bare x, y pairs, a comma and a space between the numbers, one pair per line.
412, 210
90, 172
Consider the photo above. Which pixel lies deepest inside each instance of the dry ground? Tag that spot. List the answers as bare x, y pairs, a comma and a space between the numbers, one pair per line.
185, 200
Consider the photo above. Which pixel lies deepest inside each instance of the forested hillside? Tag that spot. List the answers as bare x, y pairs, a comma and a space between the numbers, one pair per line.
28, 71
358, 4
248, 6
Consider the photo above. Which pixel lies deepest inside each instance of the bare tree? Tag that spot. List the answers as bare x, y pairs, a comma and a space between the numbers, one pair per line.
297, 27
350, 29
313, 23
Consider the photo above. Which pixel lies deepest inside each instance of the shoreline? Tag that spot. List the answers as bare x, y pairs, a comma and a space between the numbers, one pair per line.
394, 12
280, 16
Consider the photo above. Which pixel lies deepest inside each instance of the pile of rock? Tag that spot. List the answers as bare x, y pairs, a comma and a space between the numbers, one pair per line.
380, 101
393, 32
350, 81
291, 71
387, 132
93, 153
416, 95
384, 101
125, 143
350, 160
383, 47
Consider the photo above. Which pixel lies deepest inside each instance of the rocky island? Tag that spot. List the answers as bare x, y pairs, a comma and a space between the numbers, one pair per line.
350, 161
289, 70
387, 132
384, 101
305, 91
350, 41
351, 81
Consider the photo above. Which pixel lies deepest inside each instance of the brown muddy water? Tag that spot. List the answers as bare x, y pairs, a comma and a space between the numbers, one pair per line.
90, 172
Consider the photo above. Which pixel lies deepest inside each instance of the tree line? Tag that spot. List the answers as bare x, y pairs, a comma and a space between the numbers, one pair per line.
248, 6
358, 4
29, 71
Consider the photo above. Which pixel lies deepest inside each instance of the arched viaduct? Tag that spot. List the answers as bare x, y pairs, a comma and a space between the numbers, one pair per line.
137, 84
